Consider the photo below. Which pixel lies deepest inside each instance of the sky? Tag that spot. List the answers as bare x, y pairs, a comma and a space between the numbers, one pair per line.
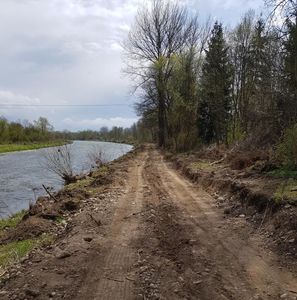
68, 53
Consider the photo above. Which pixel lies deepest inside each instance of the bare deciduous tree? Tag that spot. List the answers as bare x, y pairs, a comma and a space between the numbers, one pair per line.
160, 31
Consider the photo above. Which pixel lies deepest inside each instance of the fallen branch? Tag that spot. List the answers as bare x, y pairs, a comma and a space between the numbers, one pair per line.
265, 213
217, 161
136, 213
129, 279
112, 279
49, 193
96, 221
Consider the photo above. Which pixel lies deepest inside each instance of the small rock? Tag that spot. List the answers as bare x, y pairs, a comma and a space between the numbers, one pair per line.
143, 269
62, 254
64, 223
291, 241
221, 199
227, 211
284, 296
152, 285
88, 239
32, 293
2, 293
198, 282
242, 216
52, 294
71, 205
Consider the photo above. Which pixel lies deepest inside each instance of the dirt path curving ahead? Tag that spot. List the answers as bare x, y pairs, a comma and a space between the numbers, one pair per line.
164, 239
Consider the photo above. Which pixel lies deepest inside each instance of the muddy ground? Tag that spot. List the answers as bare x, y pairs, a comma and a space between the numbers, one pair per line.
149, 233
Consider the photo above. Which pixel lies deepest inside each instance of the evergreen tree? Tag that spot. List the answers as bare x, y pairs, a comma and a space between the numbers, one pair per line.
214, 103
291, 67
259, 75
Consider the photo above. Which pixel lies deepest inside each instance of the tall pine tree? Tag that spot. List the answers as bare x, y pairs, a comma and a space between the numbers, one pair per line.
291, 66
214, 102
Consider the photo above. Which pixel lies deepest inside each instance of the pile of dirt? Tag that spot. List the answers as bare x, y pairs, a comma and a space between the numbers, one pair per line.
102, 179
242, 191
27, 229
250, 189
240, 160
212, 152
282, 230
167, 240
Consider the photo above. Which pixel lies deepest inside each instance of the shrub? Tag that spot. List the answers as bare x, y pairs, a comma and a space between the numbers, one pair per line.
235, 133
287, 149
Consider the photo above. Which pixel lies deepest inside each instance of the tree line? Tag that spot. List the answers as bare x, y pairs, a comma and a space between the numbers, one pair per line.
25, 132
136, 133
42, 131
201, 83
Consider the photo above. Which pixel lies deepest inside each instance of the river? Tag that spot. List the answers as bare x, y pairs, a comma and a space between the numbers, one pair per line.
22, 174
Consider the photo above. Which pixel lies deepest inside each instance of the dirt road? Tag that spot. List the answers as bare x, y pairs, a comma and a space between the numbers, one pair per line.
161, 238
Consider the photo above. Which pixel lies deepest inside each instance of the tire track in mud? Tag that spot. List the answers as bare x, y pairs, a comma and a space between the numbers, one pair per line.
244, 265
176, 269
112, 277
188, 252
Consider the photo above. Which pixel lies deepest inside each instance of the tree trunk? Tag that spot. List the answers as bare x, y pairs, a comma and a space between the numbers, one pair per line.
161, 120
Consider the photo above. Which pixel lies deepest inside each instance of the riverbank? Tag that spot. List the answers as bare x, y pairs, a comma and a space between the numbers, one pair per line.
137, 229
28, 232
26, 172
6, 148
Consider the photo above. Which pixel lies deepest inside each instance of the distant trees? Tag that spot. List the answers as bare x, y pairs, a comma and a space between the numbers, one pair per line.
43, 125
25, 132
42, 131
137, 132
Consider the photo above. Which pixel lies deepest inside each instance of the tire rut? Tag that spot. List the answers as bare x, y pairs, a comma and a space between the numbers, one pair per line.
193, 253
112, 276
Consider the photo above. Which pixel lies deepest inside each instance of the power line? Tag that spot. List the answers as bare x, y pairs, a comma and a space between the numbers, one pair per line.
7, 106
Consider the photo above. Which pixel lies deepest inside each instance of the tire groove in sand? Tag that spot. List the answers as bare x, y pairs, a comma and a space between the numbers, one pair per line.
115, 279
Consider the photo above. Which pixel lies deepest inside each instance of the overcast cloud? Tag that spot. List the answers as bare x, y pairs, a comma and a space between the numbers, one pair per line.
68, 52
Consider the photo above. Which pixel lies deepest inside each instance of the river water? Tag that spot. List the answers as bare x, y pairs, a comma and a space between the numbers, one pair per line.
23, 173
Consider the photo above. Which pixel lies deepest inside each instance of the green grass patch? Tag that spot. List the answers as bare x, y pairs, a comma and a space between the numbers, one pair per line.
202, 165
14, 251
12, 221
79, 185
283, 173
5, 148
286, 191
101, 171
60, 220
86, 184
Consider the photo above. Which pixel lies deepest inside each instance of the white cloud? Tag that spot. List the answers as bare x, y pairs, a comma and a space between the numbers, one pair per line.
76, 124
9, 98
69, 51
116, 47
